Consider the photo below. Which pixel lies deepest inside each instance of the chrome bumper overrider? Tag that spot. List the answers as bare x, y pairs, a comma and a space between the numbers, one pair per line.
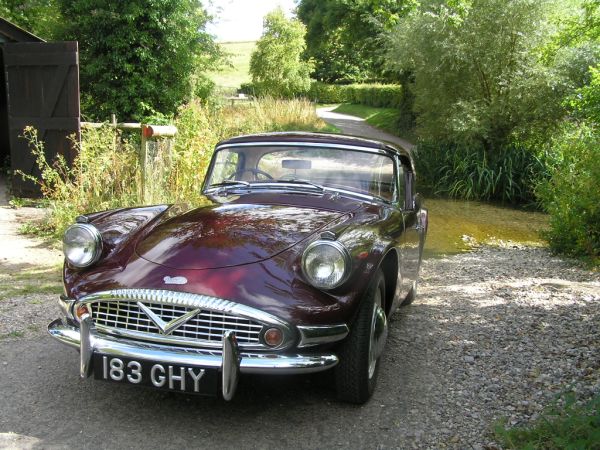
229, 360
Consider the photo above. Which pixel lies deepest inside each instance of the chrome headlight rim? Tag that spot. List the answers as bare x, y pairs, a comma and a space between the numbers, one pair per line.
345, 255
97, 239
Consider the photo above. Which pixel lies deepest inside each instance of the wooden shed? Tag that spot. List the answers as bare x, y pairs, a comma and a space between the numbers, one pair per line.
39, 86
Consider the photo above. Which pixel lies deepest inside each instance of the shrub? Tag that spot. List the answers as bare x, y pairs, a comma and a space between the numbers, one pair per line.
276, 66
571, 193
138, 56
104, 175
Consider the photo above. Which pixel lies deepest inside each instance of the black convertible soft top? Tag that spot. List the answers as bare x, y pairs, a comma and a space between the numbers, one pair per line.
318, 138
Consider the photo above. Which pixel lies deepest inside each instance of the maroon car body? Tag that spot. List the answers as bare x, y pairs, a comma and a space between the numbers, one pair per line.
241, 256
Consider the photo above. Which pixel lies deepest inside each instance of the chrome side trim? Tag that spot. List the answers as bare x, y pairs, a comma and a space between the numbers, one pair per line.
186, 299
270, 363
322, 334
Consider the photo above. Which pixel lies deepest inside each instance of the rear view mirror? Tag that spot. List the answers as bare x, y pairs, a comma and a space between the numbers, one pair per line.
295, 164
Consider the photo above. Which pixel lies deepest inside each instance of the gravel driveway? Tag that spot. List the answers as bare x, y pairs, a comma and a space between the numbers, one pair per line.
495, 333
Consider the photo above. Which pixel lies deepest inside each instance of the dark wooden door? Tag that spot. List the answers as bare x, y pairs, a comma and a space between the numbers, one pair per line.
42, 91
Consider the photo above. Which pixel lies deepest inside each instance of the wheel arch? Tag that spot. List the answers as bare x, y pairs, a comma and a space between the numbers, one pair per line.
389, 267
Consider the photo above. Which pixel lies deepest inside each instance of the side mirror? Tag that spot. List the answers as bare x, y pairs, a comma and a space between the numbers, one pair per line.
417, 202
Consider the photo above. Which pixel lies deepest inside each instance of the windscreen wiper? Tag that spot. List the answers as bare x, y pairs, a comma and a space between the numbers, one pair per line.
299, 181
230, 183
223, 185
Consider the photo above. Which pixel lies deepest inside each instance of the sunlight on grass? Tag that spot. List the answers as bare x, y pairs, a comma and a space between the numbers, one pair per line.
46, 280
564, 425
385, 119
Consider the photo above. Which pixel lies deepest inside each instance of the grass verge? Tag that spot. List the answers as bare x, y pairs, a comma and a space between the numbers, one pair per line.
43, 280
565, 425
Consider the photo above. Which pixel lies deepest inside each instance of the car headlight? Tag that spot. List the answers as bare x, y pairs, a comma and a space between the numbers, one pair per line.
82, 245
326, 264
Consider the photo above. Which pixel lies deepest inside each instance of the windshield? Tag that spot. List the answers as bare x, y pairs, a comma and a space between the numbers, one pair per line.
304, 167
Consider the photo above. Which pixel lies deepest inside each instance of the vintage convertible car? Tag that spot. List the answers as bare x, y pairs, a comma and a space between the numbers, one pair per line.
305, 245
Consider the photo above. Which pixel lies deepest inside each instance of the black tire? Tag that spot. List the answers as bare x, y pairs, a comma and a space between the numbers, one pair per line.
412, 294
354, 380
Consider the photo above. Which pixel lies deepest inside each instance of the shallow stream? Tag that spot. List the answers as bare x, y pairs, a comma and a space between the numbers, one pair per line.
456, 226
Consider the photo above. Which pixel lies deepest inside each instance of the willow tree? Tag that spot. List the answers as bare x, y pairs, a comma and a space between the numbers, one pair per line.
478, 74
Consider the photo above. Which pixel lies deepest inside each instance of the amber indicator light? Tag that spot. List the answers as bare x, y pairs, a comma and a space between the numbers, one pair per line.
273, 337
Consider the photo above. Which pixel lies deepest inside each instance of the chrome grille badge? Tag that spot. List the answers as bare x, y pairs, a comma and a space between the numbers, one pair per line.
172, 325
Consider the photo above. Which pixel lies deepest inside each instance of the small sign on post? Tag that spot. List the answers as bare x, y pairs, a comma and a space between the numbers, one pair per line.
148, 146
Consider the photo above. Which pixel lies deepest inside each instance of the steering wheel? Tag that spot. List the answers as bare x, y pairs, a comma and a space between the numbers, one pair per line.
255, 172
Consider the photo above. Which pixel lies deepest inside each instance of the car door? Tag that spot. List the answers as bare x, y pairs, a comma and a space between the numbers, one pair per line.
410, 242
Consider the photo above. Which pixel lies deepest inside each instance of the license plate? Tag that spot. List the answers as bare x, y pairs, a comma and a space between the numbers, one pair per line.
172, 377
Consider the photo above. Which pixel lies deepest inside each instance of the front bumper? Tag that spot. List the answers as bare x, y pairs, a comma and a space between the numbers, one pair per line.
229, 361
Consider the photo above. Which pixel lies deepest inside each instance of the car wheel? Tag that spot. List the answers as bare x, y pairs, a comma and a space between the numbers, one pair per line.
356, 373
412, 294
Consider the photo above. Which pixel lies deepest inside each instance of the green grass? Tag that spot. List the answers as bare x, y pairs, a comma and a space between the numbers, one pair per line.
565, 426
12, 334
45, 280
230, 78
385, 119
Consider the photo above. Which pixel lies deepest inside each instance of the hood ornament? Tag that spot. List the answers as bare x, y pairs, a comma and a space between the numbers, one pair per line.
175, 280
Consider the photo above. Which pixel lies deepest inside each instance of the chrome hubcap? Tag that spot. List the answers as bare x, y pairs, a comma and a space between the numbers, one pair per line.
379, 331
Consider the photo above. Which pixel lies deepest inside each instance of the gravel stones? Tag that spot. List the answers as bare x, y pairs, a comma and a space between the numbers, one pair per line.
505, 330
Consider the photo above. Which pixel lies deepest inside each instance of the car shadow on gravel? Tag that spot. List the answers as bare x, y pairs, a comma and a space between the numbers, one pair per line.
51, 404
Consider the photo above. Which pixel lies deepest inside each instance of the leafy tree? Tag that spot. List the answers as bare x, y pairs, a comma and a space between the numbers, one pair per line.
138, 57
344, 36
479, 78
586, 101
276, 66
576, 46
40, 17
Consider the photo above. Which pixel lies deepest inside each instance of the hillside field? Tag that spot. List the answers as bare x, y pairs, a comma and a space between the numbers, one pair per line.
230, 78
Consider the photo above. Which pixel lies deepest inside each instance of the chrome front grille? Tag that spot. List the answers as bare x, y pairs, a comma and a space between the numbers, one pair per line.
181, 318
206, 326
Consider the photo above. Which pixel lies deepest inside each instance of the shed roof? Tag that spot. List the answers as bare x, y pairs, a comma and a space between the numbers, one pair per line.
9, 32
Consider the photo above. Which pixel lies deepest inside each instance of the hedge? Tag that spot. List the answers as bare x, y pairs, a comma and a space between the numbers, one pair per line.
379, 95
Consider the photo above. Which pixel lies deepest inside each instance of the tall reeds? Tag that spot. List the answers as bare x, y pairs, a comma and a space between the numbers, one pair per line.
471, 173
